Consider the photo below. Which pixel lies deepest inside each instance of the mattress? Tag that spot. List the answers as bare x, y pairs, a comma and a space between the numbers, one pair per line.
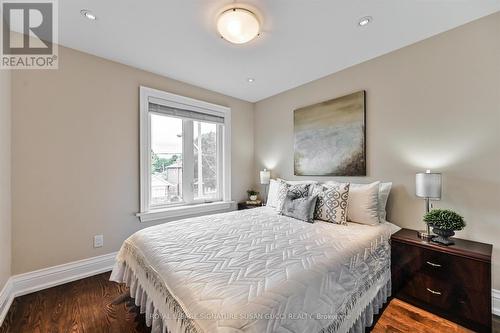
257, 271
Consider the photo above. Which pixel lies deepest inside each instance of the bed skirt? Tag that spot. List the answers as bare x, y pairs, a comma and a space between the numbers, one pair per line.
165, 317
159, 310
365, 319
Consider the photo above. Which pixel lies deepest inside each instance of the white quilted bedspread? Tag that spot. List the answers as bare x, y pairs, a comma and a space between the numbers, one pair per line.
257, 271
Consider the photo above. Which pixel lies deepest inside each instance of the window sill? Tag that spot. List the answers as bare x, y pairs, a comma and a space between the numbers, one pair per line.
180, 211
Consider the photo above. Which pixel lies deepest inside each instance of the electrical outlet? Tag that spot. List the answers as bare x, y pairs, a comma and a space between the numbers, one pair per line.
98, 240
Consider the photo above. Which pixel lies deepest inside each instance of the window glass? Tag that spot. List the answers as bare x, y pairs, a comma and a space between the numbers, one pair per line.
205, 184
166, 160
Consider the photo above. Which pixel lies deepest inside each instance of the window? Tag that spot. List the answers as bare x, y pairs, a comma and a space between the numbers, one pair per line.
185, 161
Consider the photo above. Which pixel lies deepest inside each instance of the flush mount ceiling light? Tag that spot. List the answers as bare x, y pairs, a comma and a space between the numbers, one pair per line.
365, 21
250, 80
88, 14
238, 25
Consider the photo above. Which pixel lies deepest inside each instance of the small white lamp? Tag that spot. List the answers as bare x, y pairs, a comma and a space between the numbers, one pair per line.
427, 186
265, 179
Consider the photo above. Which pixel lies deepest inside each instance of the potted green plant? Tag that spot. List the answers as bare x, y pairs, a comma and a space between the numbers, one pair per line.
444, 223
252, 195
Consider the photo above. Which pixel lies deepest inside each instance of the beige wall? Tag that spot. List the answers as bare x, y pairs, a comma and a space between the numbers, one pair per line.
434, 104
75, 151
5, 189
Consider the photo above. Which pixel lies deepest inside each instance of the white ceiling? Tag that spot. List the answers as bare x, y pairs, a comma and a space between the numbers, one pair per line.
302, 40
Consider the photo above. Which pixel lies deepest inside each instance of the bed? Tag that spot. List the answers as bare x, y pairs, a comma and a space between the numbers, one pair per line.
257, 271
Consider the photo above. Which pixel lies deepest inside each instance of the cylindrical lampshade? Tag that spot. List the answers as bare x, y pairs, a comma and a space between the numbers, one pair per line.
428, 185
265, 177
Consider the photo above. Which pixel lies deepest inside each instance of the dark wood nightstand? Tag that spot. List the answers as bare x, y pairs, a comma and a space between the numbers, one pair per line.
243, 205
453, 281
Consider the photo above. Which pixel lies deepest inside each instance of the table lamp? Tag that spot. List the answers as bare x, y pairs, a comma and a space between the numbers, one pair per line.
427, 186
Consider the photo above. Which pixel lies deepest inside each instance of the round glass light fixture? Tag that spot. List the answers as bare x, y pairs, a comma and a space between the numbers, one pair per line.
238, 25
88, 14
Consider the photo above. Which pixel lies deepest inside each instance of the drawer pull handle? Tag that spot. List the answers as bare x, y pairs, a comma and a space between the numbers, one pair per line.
433, 292
433, 264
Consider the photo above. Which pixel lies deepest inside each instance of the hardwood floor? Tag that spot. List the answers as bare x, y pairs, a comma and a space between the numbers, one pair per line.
86, 306
80, 306
403, 317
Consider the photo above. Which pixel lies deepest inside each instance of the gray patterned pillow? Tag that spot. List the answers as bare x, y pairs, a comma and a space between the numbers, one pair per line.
300, 208
331, 205
299, 191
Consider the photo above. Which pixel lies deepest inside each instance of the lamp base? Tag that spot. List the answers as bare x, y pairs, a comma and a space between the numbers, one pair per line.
423, 234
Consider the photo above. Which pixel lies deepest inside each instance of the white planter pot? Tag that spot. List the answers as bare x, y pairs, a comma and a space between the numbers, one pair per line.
253, 197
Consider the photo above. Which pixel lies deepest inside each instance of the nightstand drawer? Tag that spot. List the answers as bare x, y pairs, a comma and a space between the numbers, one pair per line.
448, 297
446, 267
429, 290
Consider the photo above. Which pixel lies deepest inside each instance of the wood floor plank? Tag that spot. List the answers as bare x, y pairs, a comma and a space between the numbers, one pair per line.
403, 317
86, 306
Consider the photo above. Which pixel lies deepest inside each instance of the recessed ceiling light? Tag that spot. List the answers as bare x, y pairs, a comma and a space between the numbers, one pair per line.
238, 25
88, 14
365, 21
250, 80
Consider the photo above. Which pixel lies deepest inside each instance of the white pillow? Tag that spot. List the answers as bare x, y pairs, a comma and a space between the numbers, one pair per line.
363, 204
272, 194
383, 194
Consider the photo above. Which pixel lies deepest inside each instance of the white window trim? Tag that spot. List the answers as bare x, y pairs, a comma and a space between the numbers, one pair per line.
148, 94
186, 210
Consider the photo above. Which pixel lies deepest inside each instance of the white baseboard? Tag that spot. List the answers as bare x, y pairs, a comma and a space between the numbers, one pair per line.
26, 283
495, 302
6, 298
22, 284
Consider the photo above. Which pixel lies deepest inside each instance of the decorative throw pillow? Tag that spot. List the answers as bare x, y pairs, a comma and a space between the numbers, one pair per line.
300, 208
332, 202
312, 183
278, 189
272, 195
363, 204
281, 194
299, 191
